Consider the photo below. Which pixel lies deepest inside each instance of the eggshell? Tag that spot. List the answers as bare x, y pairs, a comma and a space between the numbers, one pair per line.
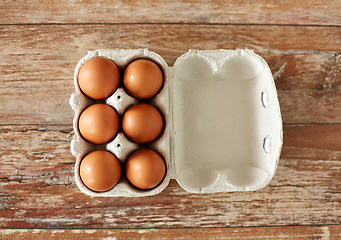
145, 169
99, 78
100, 171
99, 123
142, 79
142, 123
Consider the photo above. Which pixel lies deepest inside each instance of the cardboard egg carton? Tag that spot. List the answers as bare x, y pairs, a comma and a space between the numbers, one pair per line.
222, 122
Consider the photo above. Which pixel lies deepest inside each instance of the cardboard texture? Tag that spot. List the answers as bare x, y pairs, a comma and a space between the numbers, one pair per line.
222, 122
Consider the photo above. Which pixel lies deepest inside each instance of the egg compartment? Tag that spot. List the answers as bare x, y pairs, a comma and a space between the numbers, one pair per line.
120, 100
222, 122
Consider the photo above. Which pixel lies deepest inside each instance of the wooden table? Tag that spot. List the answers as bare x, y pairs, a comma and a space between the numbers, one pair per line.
40, 44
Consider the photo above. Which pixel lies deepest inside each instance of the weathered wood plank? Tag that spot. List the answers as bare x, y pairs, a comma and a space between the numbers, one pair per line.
37, 188
289, 232
317, 12
36, 70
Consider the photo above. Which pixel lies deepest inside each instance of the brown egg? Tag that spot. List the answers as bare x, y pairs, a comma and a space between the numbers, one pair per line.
142, 79
99, 123
142, 123
99, 78
145, 169
100, 171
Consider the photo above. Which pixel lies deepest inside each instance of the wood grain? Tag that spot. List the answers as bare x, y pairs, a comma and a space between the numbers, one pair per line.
280, 12
36, 71
289, 232
37, 188
42, 42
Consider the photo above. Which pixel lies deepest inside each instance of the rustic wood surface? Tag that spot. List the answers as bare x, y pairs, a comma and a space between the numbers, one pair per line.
318, 12
41, 42
289, 232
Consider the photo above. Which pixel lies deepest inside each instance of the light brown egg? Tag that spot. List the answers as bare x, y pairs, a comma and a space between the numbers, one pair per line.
142, 79
99, 123
142, 123
99, 78
145, 169
100, 171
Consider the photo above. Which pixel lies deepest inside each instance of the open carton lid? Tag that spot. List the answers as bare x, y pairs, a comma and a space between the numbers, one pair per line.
227, 127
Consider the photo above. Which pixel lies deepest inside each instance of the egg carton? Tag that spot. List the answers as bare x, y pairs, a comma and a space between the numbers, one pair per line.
222, 122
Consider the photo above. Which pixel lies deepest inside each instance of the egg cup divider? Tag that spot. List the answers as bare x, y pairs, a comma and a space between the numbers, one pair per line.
222, 130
